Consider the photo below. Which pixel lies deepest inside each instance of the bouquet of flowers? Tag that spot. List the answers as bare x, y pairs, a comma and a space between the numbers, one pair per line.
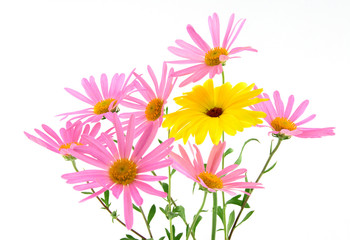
114, 138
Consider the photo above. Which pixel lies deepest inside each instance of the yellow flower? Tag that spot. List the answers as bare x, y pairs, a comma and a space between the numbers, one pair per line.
214, 110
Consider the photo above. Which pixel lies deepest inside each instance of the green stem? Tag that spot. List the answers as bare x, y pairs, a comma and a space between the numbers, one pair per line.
147, 223
74, 165
197, 215
215, 207
257, 180
169, 205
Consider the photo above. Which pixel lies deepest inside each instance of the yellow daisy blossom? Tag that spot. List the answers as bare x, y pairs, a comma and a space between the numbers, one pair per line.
214, 110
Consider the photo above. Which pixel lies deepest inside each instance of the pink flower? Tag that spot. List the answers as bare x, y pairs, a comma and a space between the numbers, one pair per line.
224, 180
152, 109
283, 123
120, 168
208, 59
70, 137
101, 103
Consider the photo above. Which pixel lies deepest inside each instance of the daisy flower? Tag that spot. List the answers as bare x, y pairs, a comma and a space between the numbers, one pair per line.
69, 138
224, 180
208, 59
119, 168
214, 110
101, 103
152, 109
284, 123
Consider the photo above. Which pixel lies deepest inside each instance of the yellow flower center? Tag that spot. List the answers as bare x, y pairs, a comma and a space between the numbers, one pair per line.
212, 57
154, 109
214, 112
211, 180
67, 145
283, 123
123, 171
102, 106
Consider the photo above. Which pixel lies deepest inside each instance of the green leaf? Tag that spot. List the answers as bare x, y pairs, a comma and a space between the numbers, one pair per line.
228, 151
151, 214
246, 217
162, 238
220, 213
167, 233
196, 223
231, 219
235, 200
181, 211
106, 197
136, 208
239, 160
86, 192
178, 236
160, 141
268, 170
165, 187
130, 237
172, 172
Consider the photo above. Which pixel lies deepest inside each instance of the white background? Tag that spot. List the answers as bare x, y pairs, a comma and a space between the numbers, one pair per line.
303, 50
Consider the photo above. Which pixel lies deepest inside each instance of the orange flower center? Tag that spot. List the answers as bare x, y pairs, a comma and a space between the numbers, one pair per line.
154, 109
123, 171
214, 112
211, 180
102, 106
283, 123
67, 145
212, 57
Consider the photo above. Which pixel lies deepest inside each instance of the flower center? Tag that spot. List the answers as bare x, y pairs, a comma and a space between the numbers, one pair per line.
214, 112
154, 109
67, 145
123, 171
211, 180
283, 123
212, 57
102, 106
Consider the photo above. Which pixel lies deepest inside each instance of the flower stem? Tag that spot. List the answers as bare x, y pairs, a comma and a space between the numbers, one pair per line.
107, 208
215, 207
197, 215
257, 180
147, 223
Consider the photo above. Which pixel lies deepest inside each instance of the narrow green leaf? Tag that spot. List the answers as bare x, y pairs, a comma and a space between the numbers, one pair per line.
220, 213
172, 172
196, 223
236, 201
231, 219
160, 141
228, 151
106, 197
162, 238
178, 237
151, 214
268, 170
239, 160
246, 217
86, 192
130, 237
136, 208
167, 233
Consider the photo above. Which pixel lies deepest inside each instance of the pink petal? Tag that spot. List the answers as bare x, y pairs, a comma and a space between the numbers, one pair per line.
128, 213
197, 39
135, 194
150, 190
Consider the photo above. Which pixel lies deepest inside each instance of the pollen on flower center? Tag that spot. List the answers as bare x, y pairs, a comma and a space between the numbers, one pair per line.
212, 57
123, 171
154, 109
211, 180
283, 123
102, 106
214, 112
68, 145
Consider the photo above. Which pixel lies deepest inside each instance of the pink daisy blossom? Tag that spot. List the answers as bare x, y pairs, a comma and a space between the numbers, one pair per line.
120, 168
152, 109
208, 59
70, 137
283, 123
224, 180
103, 103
